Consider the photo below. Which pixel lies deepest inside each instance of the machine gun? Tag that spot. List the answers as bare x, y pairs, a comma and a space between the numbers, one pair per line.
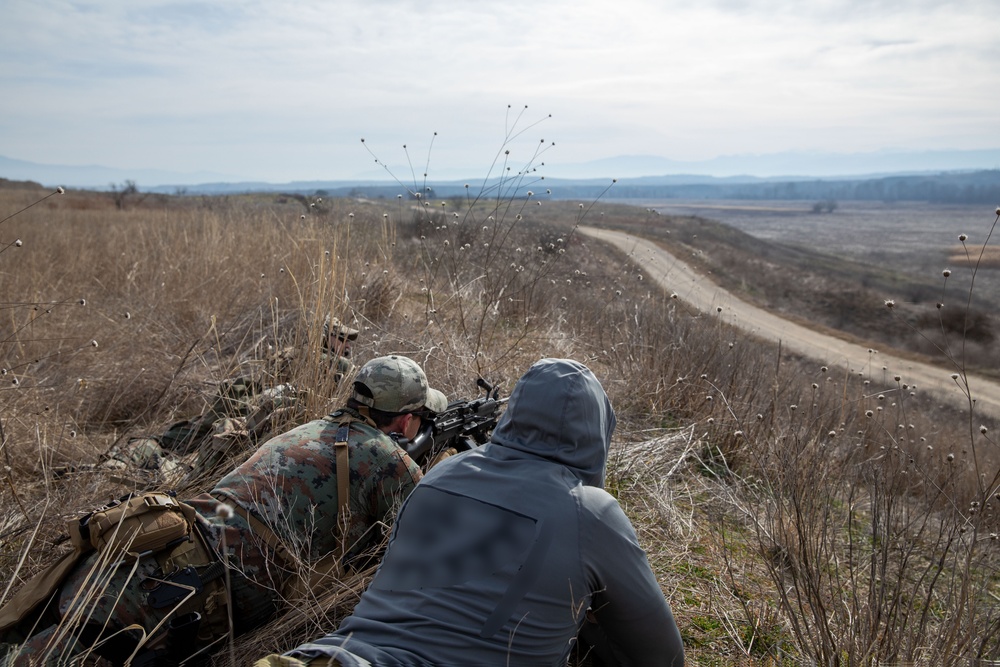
465, 425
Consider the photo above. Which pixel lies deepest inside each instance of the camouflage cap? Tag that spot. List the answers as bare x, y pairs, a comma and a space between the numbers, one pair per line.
436, 401
333, 325
396, 384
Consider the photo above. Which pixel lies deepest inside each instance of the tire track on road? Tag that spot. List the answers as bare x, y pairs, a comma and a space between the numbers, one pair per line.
701, 293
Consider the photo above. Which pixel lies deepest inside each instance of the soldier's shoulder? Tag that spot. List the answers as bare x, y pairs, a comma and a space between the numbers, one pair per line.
309, 431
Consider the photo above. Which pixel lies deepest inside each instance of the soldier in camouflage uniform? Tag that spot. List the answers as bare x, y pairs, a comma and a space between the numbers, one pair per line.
242, 414
279, 514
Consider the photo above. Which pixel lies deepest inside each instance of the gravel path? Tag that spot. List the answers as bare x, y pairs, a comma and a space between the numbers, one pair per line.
701, 293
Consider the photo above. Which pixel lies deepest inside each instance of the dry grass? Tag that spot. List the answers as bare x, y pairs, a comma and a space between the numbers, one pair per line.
783, 522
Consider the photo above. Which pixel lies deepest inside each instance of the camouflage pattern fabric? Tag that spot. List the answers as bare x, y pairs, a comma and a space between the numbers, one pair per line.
395, 384
290, 483
243, 414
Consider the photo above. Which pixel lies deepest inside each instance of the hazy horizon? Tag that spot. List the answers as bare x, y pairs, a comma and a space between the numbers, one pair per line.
281, 92
794, 166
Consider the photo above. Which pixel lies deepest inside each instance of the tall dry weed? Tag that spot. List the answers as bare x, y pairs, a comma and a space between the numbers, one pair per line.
783, 520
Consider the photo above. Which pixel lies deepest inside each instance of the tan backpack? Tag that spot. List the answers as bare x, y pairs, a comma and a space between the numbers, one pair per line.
130, 527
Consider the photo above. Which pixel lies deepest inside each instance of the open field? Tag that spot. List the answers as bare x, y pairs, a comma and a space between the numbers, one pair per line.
916, 236
792, 512
838, 269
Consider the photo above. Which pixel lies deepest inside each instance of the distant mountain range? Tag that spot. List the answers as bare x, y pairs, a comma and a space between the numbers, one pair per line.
947, 176
792, 165
98, 177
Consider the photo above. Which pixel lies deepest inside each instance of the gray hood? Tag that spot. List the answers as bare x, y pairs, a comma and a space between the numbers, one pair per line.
560, 412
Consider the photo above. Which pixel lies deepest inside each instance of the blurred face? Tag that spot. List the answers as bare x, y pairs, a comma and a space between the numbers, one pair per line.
340, 346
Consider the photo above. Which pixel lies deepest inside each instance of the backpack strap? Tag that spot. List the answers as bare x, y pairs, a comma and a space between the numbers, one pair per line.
341, 451
343, 469
329, 568
37, 591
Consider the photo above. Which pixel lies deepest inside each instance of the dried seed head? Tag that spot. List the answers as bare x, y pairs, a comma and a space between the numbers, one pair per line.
946, 273
950, 457
93, 343
890, 304
963, 237
983, 429
224, 511
61, 190
82, 302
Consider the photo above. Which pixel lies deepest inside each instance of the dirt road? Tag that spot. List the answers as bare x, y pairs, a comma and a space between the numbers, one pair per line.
704, 295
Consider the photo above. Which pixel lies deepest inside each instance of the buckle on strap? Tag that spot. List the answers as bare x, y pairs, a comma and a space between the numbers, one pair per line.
159, 500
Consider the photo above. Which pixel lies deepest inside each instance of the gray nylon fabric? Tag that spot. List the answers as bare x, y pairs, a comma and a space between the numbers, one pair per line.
498, 552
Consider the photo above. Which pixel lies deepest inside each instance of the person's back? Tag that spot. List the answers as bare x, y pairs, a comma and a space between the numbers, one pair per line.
291, 483
498, 553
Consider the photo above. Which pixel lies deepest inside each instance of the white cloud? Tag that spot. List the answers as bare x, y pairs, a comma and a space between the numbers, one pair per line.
284, 90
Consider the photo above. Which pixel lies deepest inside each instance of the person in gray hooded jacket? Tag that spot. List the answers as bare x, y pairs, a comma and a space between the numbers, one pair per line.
499, 553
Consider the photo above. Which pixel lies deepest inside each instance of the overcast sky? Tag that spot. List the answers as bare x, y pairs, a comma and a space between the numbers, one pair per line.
272, 90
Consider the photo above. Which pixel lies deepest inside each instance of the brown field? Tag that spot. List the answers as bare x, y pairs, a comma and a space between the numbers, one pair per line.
989, 258
791, 512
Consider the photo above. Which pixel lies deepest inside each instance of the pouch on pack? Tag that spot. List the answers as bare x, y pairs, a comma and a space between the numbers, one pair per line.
133, 525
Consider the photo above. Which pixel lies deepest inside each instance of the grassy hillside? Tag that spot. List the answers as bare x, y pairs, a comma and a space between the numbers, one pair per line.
790, 511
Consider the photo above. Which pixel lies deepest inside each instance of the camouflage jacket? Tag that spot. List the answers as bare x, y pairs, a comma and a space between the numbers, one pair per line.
290, 483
